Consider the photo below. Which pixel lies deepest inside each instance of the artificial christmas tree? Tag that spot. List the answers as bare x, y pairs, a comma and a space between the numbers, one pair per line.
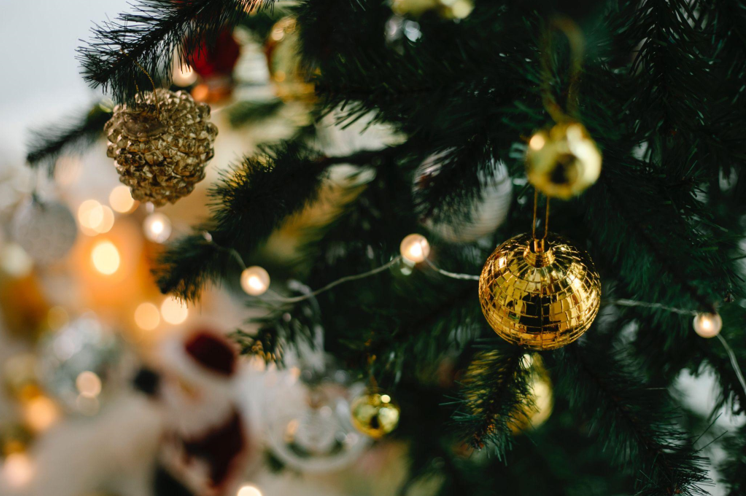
652, 90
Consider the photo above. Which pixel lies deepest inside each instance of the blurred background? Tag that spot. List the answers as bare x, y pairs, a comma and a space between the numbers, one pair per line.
100, 372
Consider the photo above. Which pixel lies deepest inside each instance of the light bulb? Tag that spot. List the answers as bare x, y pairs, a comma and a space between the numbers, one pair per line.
183, 75
41, 413
88, 384
105, 257
121, 200
173, 311
414, 248
707, 325
255, 280
17, 470
249, 491
157, 227
147, 316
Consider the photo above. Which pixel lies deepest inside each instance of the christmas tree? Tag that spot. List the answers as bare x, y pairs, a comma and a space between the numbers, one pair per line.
497, 117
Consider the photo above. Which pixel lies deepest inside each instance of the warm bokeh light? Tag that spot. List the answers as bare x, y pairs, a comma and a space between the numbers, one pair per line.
90, 216
105, 257
157, 227
87, 405
147, 316
255, 280
88, 384
414, 248
107, 220
18, 470
121, 200
537, 142
183, 75
707, 325
14, 260
57, 317
249, 490
40, 413
173, 311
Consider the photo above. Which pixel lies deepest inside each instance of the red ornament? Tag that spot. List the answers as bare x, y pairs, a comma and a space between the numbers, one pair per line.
216, 59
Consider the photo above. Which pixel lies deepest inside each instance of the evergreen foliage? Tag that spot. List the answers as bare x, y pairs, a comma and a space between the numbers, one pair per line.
661, 92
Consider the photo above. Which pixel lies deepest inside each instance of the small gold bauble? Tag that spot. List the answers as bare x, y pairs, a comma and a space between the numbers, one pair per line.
529, 415
290, 77
563, 162
448, 9
161, 144
375, 414
539, 298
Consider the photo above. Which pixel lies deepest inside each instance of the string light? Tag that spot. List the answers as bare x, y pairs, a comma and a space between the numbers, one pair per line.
105, 257
147, 316
121, 200
249, 490
255, 280
157, 227
18, 470
707, 325
41, 413
173, 311
414, 248
183, 75
88, 384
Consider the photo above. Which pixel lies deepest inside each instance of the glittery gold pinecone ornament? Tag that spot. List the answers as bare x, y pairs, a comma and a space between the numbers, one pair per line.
563, 161
161, 144
539, 295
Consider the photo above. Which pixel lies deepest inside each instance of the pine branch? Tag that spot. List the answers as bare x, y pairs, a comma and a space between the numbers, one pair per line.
732, 469
47, 145
150, 36
635, 421
494, 394
246, 206
251, 112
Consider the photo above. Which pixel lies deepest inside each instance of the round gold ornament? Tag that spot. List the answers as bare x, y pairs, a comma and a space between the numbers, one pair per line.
563, 161
290, 77
161, 144
448, 9
375, 414
542, 295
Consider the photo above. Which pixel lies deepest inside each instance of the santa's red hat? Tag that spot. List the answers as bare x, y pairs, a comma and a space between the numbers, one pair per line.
203, 357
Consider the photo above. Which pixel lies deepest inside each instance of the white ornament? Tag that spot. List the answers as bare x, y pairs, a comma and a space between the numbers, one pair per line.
45, 230
487, 212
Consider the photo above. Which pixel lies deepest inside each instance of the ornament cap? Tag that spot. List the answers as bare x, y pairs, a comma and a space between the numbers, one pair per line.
538, 255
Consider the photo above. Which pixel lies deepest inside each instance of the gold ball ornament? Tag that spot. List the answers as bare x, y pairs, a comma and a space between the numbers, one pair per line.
563, 161
375, 414
161, 144
542, 299
289, 76
448, 9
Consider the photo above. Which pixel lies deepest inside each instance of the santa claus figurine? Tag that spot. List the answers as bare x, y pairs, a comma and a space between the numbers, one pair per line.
206, 439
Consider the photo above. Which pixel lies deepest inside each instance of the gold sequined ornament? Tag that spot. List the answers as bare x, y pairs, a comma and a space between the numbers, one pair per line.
161, 144
563, 161
539, 294
375, 414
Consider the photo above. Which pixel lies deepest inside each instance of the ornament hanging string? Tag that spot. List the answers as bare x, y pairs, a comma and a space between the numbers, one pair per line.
539, 244
576, 42
155, 95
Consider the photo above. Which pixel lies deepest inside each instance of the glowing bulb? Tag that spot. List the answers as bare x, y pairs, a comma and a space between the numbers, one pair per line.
249, 491
173, 311
385, 398
18, 470
707, 325
537, 142
41, 413
88, 384
105, 257
255, 280
147, 316
90, 216
107, 220
157, 227
121, 200
183, 75
414, 248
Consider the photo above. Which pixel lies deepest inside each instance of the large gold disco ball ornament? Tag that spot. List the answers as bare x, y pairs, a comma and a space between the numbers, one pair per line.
563, 161
539, 298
